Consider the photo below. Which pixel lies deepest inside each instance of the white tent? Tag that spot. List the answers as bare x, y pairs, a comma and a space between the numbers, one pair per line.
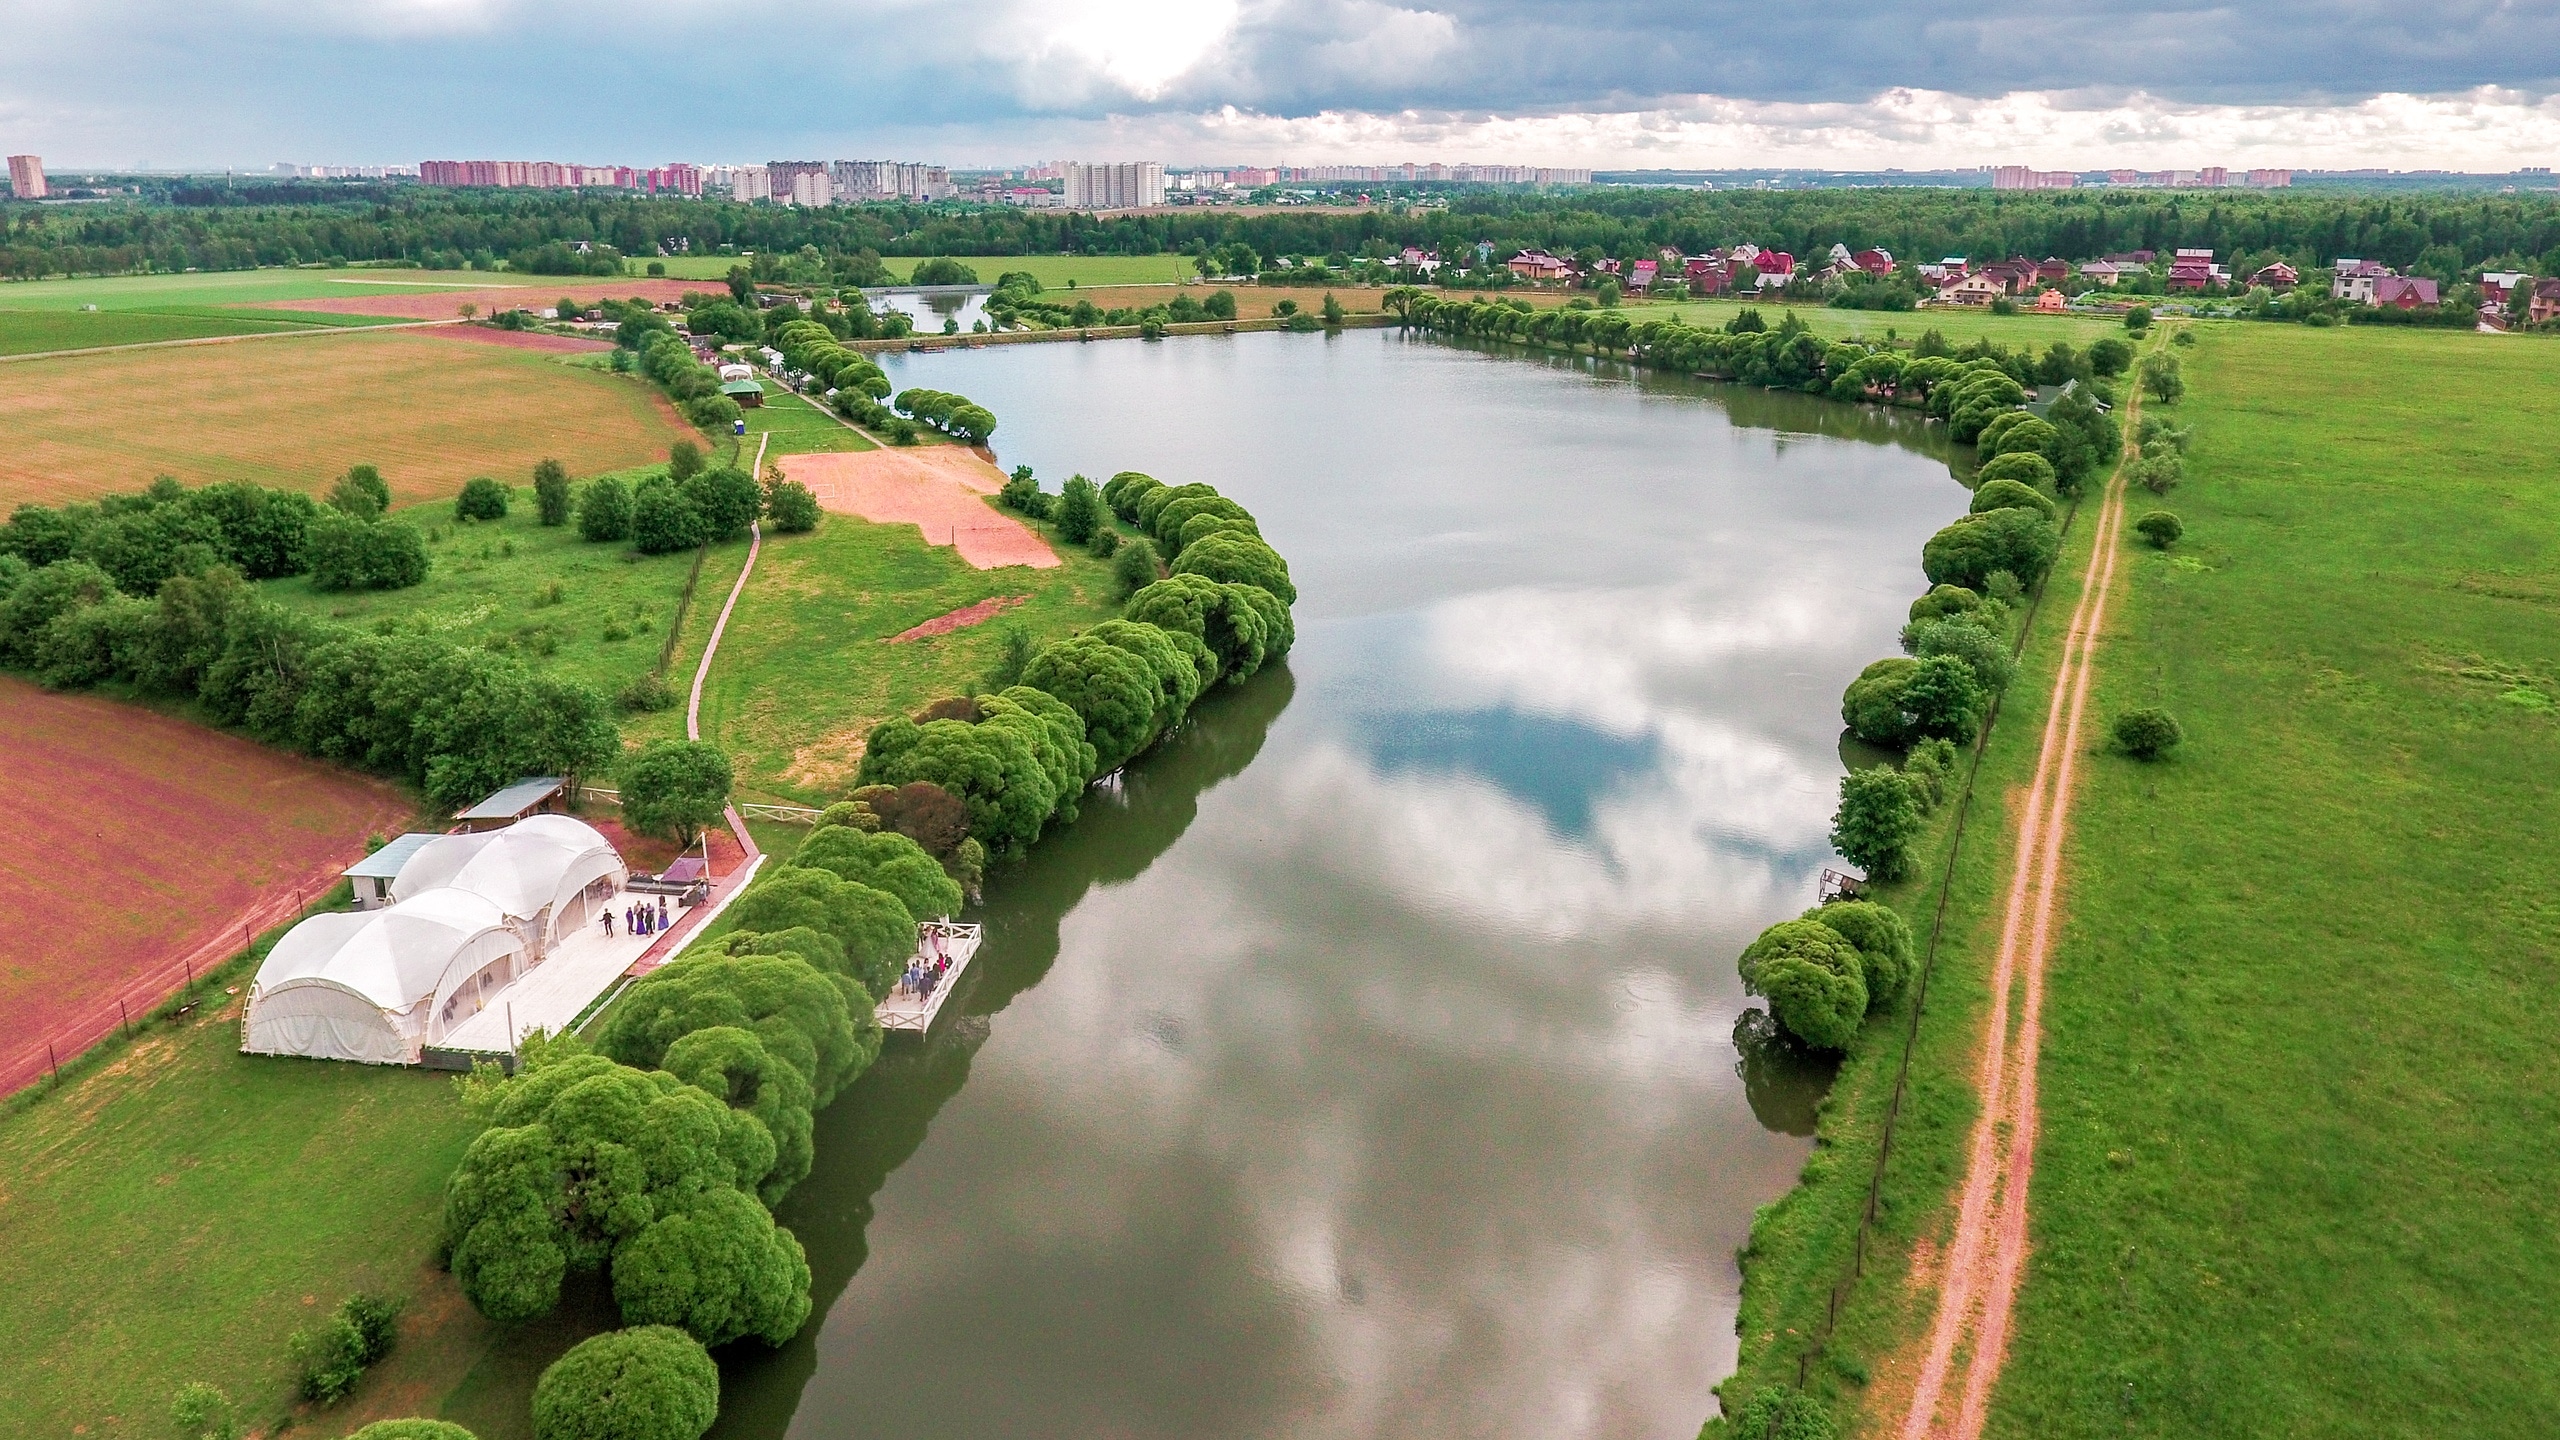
546, 872
375, 985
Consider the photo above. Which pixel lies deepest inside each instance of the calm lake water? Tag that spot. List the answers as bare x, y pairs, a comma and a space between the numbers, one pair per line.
1362, 1066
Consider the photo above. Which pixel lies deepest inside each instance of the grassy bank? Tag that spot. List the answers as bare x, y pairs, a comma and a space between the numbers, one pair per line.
2296, 1171
178, 1210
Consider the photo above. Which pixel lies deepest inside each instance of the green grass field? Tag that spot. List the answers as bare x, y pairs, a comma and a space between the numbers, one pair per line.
177, 1212
29, 332
239, 287
804, 672
1053, 271
1957, 323
2297, 1171
2294, 1171
492, 581
798, 427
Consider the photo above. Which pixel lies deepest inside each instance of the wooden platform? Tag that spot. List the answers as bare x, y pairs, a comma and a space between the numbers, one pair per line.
943, 951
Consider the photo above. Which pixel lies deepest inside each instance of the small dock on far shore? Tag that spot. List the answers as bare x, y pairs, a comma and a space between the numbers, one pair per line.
943, 951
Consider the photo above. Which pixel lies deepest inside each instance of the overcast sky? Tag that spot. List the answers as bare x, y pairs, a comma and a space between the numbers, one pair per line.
2458, 84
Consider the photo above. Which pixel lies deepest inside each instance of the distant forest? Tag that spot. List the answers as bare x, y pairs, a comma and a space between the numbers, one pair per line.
2446, 235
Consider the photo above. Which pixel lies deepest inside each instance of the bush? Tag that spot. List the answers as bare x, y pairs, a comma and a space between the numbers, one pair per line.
2137, 319
1778, 1413
791, 507
1943, 601
346, 553
2159, 527
1814, 979
604, 511
646, 694
2147, 733
942, 270
1964, 638
2159, 474
684, 459
1135, 566
332, 1358
664, 520
413, 1430
675, 788
1929, 769
923, 812
203, 1412
482, 499
652, 1382
1943, 697
1106, 542
551, 492
728, 500
1877, 822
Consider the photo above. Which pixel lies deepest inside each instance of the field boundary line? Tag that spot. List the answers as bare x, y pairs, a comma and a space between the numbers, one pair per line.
711, 647
292, 331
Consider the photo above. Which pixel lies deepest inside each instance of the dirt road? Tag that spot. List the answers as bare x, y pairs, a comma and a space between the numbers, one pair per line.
1987, 1254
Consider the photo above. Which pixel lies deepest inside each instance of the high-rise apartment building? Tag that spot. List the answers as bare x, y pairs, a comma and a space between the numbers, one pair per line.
858, 180
26, 177
784, 175
2019, 177
1128, 185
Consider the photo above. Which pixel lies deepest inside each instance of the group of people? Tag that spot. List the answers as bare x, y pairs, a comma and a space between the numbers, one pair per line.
639, 918
924, 973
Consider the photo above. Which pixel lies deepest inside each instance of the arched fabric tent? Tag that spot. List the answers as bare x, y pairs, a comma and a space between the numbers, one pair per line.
547, 872
375, 985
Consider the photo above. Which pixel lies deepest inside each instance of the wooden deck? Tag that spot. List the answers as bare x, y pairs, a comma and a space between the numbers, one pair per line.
943, 951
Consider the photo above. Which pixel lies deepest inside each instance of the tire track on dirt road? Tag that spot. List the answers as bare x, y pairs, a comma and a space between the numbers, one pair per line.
1987, 1254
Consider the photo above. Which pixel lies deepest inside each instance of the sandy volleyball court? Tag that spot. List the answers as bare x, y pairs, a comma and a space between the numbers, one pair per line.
939, 489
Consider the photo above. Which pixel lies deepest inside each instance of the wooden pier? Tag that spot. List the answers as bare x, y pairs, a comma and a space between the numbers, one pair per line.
943, 951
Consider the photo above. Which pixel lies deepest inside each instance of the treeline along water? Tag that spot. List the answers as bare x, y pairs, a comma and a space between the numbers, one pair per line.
1363, 1066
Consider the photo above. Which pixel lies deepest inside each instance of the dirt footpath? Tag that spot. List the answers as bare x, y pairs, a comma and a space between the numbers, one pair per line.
939, 489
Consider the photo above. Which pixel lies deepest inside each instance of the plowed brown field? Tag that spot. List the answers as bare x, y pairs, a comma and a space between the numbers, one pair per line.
139, 847
296, 413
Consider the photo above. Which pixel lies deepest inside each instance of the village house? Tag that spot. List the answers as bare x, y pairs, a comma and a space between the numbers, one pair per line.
2278, 276
1540, 268
1878, 263
1706, 275
2403, 292
2544, 307
2194, 270
2105, 272
2051, 302
2053, 271
1954, 267
1641, 278
1416, 261
1977, 289
1776, 268
2352, 279
2497, 285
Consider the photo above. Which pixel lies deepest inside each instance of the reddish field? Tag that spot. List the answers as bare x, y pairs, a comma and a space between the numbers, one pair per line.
939, 489
297, 413
960, 619
445, 304
140, 846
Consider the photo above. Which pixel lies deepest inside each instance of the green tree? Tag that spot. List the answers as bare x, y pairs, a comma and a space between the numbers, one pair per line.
2138, 319
1333, 311
1134, 566
791, 507
942, 270
2021, 542
647, 1383
1872, 707
684, 458
1943, 696
728, 500
875, 932
2007, 494
413, 1430
675, 787
2160, 379
1079, 511
1814, 979
884, 860
605, 510
2110, 356
482, 499
664, 520
1966, 640
1877, 822
2147, 733
1221, 305
2160, 527
1240, 560
551, 492
361, 492
1883, 941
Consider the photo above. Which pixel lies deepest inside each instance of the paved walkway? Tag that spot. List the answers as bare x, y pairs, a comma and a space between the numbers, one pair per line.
579, 968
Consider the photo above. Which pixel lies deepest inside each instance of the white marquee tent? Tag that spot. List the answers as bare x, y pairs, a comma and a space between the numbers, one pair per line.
375, 985
545, 871
469, 915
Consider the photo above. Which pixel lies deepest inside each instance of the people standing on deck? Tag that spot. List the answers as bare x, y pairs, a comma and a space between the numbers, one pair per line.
662, 915
608, 923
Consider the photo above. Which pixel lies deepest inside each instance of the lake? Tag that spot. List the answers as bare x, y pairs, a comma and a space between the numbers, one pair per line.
1362, 1063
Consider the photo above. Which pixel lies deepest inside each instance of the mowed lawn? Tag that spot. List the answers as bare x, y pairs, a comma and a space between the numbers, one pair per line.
297, 412
2298, 1173
177, 1214
1960, 324
240, 287
135, 836
34, 332
806, 669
